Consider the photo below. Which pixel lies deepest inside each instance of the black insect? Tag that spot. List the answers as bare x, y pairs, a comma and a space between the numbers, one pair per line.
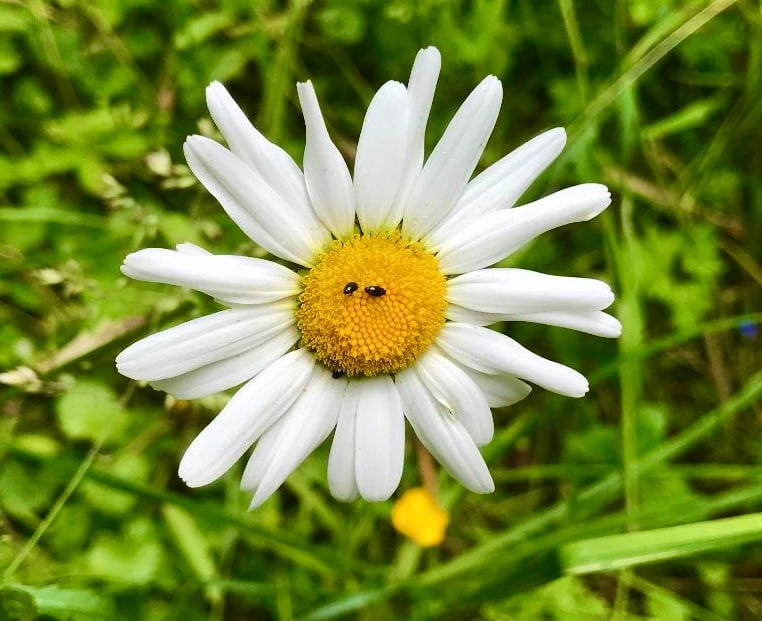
375, 291
350, 288
337, 374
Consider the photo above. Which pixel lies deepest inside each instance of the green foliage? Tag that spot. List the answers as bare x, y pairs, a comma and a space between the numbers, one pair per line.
661, 103
89, 411
681, 270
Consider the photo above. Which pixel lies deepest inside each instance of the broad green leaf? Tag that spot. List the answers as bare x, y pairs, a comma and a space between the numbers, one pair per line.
90, 411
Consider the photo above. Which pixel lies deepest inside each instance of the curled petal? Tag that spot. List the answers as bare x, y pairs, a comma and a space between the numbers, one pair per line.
253, 205
199, 342
445, 438
271, 162
379, 438
329, 183
491, 352
247, 415
501, 185
231, 371
380, 159
596, 323
457, 392
420, 89
508, 290
500, 233
289, 441
232, 279
453, 160
500, 390
342, 480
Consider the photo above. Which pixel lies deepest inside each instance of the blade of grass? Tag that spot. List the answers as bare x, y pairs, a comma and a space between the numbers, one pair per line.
639, 61
632, 549
76, 479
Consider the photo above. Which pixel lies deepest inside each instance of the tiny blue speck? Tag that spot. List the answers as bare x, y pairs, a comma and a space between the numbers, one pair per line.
748, 328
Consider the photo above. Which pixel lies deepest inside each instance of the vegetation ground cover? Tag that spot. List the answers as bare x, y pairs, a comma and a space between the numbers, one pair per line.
641, 501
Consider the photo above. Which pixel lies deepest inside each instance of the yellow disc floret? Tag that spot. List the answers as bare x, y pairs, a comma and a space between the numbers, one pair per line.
372, 304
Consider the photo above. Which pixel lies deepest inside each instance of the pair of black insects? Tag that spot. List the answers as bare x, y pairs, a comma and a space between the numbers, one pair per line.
372, 290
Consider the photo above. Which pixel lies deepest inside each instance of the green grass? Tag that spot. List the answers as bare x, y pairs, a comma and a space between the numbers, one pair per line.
641, 501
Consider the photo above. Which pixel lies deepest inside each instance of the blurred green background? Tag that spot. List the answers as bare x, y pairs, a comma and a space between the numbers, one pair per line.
661, 100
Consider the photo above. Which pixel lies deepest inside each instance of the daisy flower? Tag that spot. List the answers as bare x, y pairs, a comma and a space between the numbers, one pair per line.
376, 311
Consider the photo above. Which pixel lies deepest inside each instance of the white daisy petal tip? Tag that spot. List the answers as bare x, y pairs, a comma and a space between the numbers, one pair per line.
580, 388
191, 143
215, 91
486, 486
557, 135
189, 474
429, 58
191, 249
614, 326
444, 176
600, 198
329, 184
381, 157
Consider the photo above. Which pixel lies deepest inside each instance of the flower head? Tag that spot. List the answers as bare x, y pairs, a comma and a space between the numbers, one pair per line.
376, 313
417, 515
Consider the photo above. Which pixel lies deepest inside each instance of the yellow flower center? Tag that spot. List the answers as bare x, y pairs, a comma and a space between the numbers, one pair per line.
372, 304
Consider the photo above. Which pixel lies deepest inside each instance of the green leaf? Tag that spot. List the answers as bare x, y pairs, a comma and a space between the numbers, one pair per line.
130, 466
24, 491
71, 604
193, 545
16, 604
133, 557
90, 411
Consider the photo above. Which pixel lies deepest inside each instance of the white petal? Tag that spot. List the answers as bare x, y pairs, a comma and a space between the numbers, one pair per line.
515, 172
341, 460
229, 278
267, 448
455, 390
229, 372
420, 89
251, 411
468, 315
500, 233
380, 158
273, 164
253, 205
329, 183
448, 168
201, 341
596, 322
500, 390
192, 250
298, 432
445, 438
379, 438
491, 352
509, 290
501, 185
